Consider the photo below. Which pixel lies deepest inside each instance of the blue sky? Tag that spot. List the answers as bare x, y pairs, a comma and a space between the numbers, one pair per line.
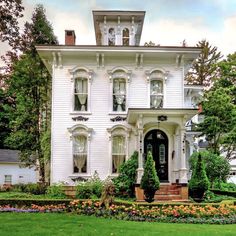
167, 22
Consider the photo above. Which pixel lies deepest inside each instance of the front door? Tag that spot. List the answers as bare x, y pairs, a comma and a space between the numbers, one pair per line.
156, 141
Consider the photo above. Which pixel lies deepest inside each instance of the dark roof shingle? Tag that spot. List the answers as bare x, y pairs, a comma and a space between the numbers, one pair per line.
7, 155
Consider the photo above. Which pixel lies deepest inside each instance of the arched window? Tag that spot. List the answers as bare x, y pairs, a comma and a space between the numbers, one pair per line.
111, 37
156, 93
80, 136
118, 139
80, 153
118, 152
119, 78
119, 94
81, 94
125, 37
81, 79
156, 79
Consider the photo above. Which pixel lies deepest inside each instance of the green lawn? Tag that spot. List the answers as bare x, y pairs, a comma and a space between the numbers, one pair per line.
69, 224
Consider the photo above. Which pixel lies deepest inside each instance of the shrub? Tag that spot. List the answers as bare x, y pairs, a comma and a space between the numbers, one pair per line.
36, 189
56, 190
228, 186
150, 182
90, 189
125, 182
217, 167
199, 182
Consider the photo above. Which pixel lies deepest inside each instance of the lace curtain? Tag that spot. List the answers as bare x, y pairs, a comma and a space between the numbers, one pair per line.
80, 152
119, 92
156, 97
118, 151
81, 90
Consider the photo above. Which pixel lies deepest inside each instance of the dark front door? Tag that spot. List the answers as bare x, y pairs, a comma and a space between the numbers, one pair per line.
156, 141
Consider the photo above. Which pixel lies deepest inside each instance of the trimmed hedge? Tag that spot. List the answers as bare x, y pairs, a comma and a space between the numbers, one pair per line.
223, 192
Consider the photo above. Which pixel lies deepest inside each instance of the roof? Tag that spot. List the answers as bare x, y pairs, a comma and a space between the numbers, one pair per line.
9, 156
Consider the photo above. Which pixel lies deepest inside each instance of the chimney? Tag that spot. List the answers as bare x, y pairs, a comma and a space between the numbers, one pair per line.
70, 37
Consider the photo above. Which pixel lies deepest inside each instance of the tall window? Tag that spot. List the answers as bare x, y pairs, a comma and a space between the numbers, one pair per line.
80, 153
8, 179
156, 94
125, 37
118, 152
119, 94
111, 37
81, 94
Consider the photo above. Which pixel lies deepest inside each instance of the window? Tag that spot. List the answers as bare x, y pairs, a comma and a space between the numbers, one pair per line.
156, 94
8, 179
119, 94
111, 37
125, 38
118, 152
118, 146
81, 94
119, 80
81, 81
80, 137
80, 154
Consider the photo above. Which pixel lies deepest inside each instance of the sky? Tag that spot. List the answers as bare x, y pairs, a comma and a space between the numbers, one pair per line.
167, 22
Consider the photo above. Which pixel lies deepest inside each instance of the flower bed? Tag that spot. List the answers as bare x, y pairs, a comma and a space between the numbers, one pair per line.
221, 214
211, 214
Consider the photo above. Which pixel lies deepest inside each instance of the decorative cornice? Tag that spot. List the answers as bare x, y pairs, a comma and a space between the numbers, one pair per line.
118, 118
80, 118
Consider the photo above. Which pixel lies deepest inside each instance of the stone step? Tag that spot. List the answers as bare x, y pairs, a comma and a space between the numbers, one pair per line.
167, 197
168, 192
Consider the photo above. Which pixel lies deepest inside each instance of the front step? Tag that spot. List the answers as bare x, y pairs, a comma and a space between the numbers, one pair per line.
168, 193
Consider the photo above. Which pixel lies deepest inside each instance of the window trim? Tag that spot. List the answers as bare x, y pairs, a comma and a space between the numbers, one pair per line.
81, 72
114, 74
8, 182
83, 130
118, 130
151, 75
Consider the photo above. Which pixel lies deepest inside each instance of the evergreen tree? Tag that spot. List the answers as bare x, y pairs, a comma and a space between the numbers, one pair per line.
150, 182
199, 182
30, 86
125, 182
10, 12
203, 69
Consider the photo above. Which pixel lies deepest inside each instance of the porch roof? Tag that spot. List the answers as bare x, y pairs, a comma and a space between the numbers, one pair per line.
134, 113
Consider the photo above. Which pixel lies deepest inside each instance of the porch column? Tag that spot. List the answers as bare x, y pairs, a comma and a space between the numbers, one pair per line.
183, 168
140, 149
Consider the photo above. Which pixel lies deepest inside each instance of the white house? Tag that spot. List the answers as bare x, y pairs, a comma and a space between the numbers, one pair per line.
115, 97
11, 171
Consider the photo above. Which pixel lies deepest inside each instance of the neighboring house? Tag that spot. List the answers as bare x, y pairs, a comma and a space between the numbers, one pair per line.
113, 98
11, 171
232, 175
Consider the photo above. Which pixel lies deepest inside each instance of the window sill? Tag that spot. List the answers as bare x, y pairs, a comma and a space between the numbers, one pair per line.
80, 113
117, 113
